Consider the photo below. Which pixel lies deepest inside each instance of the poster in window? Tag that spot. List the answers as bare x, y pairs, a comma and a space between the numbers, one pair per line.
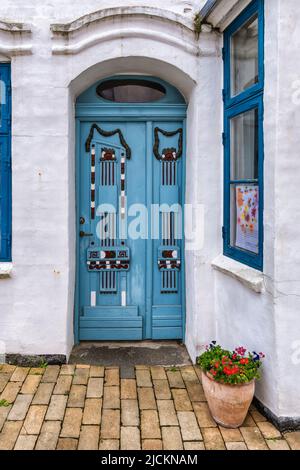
247, 206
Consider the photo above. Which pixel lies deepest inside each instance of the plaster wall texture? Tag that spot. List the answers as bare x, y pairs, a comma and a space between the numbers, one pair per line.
37, 301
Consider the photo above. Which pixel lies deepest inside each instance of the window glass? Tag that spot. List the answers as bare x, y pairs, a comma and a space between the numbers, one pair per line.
244, 57
244, 146
131, 91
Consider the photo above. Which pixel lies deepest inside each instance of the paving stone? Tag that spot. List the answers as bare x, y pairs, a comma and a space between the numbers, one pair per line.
83, 366
81, 375
51, 374
9, 434
48, 437
95, 388
97, 371
198, 373
20, 408
31, 384
130, 413
63, 385
175, 379
162, 389
257, 416
194, 445
189, 375
231, 435
92, 411
181, 400
56, 408
146, 399
67, 369
37, 370
213, 439
4, 378
11, 391
253, 438
110, 424
89, 438
4, 411
43, 394
158, 373
7, 368
204, 418
268, 430
277, 444
130, 438
152, 444
109, 444
236, 446
72, 422
188, 424
167, 413
34, 419
19, 374
25, 442
77, 396
141, 366
111, 398
143, 378
195, 391
249, 421
293, 438
171, 438
127, 372
150, 424
67, 444
112, 377
128, 389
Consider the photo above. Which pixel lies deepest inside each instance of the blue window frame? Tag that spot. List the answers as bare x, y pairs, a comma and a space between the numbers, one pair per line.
5, 163
243, 56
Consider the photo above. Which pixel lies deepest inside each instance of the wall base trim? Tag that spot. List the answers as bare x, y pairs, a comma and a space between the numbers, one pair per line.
282, 423
35, 360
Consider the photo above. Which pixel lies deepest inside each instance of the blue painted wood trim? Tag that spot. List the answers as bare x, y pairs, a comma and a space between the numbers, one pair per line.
5, 165
257, 6
250, 99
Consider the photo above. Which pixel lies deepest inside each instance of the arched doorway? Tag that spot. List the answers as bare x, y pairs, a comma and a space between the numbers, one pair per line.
130, 198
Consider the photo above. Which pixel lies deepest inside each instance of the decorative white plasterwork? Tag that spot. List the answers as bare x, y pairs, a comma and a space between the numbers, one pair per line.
122, 12
12, 38
124, 23
249, 277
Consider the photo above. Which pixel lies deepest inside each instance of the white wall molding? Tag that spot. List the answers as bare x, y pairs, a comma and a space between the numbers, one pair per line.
249, 277
12, 38
121, 13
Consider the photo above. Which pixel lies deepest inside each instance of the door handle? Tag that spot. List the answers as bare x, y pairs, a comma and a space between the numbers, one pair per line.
83, 234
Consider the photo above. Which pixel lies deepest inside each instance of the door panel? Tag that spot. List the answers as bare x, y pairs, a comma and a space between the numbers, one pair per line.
123, 296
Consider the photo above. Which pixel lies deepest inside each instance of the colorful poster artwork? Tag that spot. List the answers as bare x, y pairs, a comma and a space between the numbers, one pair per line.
247, 235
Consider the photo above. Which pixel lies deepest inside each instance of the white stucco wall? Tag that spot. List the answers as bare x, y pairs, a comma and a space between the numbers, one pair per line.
37, 301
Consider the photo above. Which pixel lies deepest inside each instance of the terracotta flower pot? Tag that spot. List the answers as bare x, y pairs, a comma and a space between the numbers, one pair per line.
228, 404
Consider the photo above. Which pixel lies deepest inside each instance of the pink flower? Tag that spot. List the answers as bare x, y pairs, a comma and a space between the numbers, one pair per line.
241, 350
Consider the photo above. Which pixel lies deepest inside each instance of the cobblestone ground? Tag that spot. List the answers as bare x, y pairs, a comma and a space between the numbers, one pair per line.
90, 407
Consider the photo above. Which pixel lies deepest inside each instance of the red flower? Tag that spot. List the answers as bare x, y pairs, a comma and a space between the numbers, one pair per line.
244, 361
231, 370
213, 372
234, 357
217, 365
241, 351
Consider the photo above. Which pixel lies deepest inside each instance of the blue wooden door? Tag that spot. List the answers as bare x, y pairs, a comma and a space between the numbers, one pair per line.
130, 177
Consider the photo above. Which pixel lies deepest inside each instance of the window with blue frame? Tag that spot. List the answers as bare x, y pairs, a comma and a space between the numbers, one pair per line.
243, 56
5, 163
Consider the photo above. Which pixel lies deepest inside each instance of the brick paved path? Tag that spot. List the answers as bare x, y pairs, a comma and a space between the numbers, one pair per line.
90, 407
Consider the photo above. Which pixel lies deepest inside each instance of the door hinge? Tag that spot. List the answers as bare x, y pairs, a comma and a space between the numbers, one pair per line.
223, 138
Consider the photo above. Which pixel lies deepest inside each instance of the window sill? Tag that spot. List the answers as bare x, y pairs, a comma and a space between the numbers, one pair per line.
249, 277
5, 269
